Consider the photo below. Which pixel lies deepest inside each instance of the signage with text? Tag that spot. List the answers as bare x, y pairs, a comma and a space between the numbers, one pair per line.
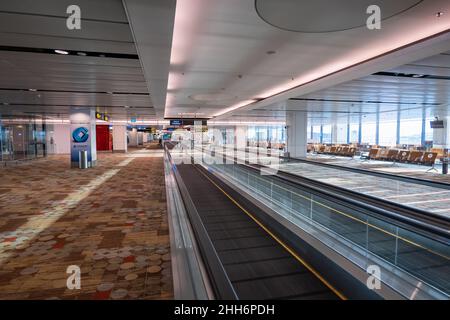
101, 116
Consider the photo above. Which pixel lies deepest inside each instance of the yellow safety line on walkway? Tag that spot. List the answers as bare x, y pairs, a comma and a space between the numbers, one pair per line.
286, 247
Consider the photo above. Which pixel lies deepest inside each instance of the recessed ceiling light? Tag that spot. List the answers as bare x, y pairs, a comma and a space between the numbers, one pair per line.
34, 90
126, 106
109, 92
5, 103
82, 54
417, 75
439, 14
61, 51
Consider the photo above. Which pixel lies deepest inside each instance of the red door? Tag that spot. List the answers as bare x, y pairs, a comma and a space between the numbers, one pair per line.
104, 139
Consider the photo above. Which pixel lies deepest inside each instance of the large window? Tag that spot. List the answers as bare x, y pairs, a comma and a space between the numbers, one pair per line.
316, 134
411, 127
369, 129
341, 132
276, 134
354, 128
261, 134
251, 133
354, 132
326, 134
388, 129
429, 116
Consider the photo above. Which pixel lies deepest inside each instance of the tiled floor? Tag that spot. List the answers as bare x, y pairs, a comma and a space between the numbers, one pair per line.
109, 220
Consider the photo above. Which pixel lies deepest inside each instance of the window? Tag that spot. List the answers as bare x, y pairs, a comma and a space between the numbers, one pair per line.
369, 129
326, 134
388, 129
276, 134
251, 133
316, 134
354, 133
354, 129
429, 116
341, 133
261, 134
411, 127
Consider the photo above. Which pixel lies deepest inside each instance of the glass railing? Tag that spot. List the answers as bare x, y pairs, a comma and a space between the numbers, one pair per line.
420, 259
189, 279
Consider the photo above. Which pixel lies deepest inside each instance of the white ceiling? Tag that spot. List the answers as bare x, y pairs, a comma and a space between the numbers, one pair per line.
205, 58
370, 95
64, 81
225, 52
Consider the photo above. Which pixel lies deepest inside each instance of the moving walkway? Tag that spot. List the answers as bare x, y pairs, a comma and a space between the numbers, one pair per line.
265, 237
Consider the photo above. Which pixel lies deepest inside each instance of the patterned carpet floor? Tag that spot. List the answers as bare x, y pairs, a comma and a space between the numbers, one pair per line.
109, 220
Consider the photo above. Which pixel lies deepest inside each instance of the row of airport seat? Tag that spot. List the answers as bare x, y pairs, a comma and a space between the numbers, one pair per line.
266, 144
343, 151
403, 156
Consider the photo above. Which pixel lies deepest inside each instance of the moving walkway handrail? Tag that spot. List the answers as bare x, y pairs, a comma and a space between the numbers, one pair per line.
396, 213
222, 286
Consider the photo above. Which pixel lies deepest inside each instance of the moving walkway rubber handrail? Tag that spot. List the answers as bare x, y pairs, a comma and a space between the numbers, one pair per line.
395, 212
221, 284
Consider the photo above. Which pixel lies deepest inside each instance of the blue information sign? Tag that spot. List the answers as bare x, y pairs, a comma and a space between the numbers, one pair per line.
176, 122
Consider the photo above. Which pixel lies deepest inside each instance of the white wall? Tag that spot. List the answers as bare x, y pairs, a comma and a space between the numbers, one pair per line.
61, 138
119, 138
296, 132
133, 136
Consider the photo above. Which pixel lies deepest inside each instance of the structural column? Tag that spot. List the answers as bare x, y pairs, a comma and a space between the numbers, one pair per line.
296, 130
133, 135
240, 138
83, 136
120, 138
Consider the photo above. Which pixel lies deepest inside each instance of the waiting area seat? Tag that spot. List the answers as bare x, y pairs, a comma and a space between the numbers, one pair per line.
266, 144
403, 156
334, 150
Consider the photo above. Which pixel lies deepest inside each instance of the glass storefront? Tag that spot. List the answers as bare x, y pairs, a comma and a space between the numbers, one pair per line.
22, 139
